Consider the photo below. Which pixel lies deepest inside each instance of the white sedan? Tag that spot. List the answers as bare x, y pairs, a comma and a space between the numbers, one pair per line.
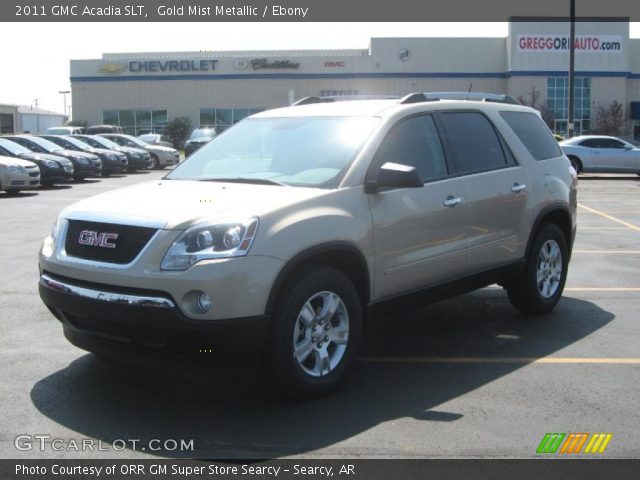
598, 153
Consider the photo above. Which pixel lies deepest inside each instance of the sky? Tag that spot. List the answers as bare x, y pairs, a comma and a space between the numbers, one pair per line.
37, 65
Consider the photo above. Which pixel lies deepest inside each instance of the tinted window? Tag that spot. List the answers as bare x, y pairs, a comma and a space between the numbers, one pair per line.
474, 144
415, 142
535, 135
612, 143
592, 143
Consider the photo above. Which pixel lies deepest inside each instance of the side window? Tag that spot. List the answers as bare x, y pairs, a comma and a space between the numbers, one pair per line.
533, 133
591, 143
415, 142
473, 142
612, 143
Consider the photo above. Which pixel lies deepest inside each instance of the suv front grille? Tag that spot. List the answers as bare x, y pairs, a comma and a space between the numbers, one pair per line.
97, 239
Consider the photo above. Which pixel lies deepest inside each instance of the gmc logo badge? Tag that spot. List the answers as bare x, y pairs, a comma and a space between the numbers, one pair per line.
334, 64
98, 239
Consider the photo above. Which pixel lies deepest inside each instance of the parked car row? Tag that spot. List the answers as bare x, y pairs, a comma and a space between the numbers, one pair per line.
62, 158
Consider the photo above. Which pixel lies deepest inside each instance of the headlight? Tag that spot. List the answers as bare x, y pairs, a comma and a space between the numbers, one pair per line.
135, 155
112, 156
16, 169
49, 244
51, 164
220, 239
82, 160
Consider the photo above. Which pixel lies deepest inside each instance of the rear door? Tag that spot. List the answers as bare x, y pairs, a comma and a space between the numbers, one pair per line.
496, 188
419, 233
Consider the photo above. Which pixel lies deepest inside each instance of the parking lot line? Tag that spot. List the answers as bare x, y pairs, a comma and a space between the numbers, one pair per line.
612, 252
585, 212
602, 289
482, 360
593, 227
609, 217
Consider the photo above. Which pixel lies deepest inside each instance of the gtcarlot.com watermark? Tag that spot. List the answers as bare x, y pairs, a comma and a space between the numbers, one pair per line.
46, 443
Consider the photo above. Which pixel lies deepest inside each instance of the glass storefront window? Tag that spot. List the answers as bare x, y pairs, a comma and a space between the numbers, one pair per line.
558, 102
137, 122
223, 118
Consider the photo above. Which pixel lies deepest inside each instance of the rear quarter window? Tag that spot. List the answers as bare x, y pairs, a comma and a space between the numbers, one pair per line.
535, 135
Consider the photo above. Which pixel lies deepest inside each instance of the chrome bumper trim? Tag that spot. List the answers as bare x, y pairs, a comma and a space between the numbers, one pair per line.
109, 297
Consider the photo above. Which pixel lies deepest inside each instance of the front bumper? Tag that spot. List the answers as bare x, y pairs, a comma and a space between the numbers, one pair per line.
168, 158
50, 175
87, 170
22, 181
127, 323
119, 165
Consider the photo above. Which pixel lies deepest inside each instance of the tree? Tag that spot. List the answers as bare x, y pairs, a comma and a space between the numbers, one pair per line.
178, 130
76, 123
546, 112
609, 120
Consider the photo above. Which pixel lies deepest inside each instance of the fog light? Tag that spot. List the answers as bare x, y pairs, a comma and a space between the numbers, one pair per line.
205, 302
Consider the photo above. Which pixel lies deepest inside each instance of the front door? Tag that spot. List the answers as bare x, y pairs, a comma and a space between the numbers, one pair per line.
419, 233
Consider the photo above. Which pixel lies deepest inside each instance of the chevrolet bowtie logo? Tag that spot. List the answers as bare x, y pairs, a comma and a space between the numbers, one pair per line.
113, 68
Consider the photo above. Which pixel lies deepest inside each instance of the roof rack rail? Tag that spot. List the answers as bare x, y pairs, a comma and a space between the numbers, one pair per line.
418, 97
341, 98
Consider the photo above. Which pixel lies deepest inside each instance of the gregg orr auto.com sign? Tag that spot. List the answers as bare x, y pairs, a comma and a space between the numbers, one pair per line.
560, 43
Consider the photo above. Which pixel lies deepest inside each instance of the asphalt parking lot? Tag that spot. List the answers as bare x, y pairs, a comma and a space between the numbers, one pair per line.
461, 378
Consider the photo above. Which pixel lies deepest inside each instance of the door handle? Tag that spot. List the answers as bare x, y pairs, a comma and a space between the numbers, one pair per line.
518, 187
452, 201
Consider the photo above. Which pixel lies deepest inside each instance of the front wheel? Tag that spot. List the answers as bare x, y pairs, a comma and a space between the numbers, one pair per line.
316, 333
539, 287
575, 163
154, 163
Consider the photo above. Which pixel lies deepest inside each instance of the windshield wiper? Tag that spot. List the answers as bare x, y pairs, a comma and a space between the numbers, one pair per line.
256, 181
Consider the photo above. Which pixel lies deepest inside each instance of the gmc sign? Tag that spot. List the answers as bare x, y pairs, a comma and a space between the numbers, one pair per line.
97, 239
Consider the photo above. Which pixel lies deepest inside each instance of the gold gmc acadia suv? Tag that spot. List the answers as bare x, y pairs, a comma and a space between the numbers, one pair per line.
281, 236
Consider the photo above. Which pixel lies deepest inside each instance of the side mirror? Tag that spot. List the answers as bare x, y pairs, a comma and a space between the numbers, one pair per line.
394, 175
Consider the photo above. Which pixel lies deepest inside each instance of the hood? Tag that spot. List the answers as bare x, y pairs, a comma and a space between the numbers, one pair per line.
131, 150
160, 148
34, 157
39, 157
103, 151
200, 140
177, 204
15, 161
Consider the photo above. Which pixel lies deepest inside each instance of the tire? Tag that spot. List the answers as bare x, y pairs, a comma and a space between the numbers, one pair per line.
13, 191
526, 292
155, 163
79, 178
576, 164
106, 174
46, 183
322, 360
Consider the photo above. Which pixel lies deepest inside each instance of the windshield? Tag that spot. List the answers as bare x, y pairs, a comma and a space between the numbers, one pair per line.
202, 133
13, 148
137, 141
76, 142
100, 142
299, 151
45, 144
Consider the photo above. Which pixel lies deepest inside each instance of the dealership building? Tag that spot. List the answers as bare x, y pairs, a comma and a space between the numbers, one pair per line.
143, 91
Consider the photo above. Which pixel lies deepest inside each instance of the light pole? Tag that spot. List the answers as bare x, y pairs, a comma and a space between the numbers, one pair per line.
572, 41
64, 97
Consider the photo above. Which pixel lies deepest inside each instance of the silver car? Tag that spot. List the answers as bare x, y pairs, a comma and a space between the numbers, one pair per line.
161, 157
599, 153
